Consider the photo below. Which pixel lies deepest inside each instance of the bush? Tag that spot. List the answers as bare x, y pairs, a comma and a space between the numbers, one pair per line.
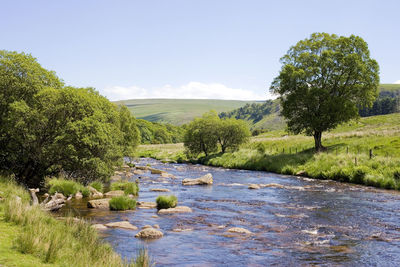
97, 185
166, 202
127, 187
85, 191
122, 203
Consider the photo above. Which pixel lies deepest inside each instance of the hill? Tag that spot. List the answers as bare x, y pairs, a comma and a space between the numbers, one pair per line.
266, 115
178, 111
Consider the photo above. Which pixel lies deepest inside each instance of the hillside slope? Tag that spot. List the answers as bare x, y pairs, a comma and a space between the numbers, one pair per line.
178, 111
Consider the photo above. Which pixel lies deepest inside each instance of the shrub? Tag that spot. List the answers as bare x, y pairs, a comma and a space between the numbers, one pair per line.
396, 174
127, 187
122, 203
97, 185
166, 202
85, 191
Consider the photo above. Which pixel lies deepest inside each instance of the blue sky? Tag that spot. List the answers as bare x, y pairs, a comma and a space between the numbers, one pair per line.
188, 49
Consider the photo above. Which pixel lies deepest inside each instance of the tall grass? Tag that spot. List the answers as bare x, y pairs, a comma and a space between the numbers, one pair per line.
66, 187
166, 202
129, 188
64, 243
122, 203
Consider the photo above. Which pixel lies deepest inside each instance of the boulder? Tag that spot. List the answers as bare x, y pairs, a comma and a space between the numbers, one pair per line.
155, 171
204, 180
301, 173
78, 195
94, 193
254, 186
178, 209
239, 230
149, 233
123, 225
156, 226
99, 226
99, 203
147, 226
116, 193
143, 168
138, 172
159, 190
146, 205
167, 175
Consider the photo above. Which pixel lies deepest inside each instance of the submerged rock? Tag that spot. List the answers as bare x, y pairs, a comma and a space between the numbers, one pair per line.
254, 186
155, 171
204, 180
167, 175
149, 233
143, 168
178, 209
99, 203
156, 226
123, 225
115, 193
239, 230
138, 172
159, 190
272, 185
147, 226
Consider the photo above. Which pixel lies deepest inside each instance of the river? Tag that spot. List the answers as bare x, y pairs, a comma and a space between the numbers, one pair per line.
309, 222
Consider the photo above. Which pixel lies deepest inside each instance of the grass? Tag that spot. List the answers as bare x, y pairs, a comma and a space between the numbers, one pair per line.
66, 187
347, 157
129, 188
166, 202
99, 186
32, 237
122, 203
178, 111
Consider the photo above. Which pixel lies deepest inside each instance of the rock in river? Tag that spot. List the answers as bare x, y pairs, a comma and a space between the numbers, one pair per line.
159, 190
146, 205
178, 209
94, 193
204, 180
239, 230
123, 225
254, 186
99, 203
99, 226
149, 233
115, 193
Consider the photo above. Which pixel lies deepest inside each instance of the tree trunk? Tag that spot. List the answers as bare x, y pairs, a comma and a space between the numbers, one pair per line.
318, 142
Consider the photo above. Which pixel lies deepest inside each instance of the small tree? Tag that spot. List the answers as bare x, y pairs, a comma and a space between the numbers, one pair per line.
200, 135
323, 82
232, 133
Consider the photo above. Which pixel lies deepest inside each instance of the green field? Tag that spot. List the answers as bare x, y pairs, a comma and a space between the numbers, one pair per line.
347, 158
178, 111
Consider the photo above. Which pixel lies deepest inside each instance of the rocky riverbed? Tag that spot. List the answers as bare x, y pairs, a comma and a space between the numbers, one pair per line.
249, 218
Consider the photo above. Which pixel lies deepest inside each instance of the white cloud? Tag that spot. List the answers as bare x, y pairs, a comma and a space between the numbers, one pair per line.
397, 82
192, 90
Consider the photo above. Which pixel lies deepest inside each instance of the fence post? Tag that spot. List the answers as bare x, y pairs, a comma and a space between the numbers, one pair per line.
355, 161
370, 154
347, 150
283, 150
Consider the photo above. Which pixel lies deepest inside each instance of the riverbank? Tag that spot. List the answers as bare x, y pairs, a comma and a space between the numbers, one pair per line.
365, 152
32, 237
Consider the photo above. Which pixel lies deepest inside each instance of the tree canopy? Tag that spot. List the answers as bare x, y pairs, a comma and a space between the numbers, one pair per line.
47, 128
203, 135
324, 81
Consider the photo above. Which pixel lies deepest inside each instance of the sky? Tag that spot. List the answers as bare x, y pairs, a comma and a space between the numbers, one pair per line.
219, 49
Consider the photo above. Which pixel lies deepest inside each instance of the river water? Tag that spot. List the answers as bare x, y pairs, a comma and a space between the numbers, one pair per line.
309, 222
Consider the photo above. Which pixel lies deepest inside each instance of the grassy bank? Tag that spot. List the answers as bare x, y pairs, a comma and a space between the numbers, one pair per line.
32, 237
347, 158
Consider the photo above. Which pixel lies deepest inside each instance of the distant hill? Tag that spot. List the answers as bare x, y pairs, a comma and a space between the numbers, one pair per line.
178, 111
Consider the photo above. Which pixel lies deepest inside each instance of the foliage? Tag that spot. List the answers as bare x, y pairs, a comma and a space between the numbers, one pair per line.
166, 202
232, 133
157, 133
323, 81
46, 128
130, 188
130, 132
122, 203
98, 185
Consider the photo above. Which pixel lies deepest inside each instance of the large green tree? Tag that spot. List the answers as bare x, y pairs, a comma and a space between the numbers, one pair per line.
47, 129
232, 133
324, 81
